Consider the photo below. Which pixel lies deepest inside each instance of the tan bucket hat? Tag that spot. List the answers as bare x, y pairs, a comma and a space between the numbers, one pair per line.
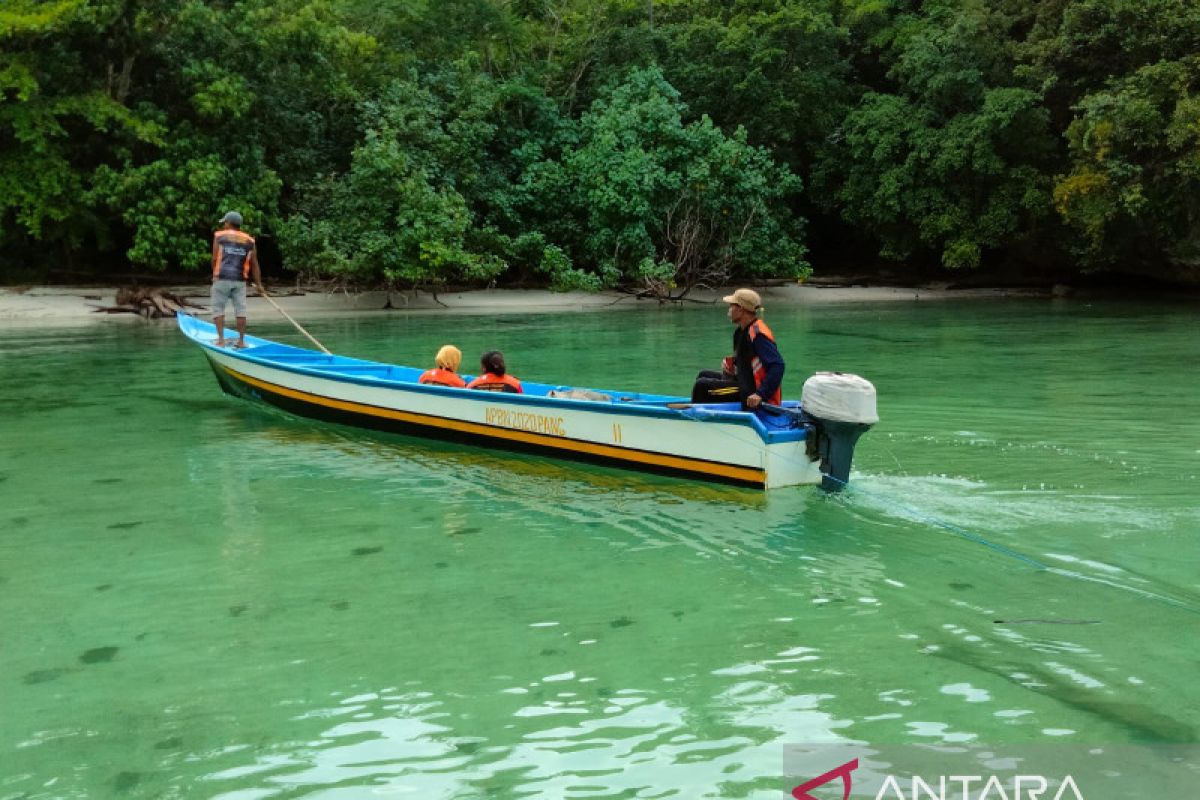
746, 298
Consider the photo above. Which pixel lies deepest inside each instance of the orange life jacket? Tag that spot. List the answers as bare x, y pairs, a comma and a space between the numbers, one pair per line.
442, 377
757, 328
496, 383
234, 249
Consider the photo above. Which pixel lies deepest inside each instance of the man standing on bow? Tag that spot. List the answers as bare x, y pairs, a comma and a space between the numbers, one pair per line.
754, 373
234, 261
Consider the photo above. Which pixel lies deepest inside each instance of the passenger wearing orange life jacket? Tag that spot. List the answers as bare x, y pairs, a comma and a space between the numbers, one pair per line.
445, 374
495, 377
754, 373
234, 260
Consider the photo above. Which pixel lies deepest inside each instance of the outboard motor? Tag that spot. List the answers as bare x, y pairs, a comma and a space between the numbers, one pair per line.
842, 406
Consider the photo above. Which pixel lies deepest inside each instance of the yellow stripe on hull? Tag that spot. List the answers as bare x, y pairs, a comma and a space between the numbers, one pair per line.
724, 471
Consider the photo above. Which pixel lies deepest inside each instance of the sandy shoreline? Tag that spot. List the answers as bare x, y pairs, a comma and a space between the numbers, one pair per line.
67, 305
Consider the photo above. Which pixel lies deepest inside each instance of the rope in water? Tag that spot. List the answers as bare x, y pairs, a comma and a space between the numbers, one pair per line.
1065, 573
955, 529
999, 548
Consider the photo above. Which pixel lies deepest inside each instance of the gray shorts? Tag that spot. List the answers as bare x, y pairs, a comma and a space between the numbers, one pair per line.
223, 291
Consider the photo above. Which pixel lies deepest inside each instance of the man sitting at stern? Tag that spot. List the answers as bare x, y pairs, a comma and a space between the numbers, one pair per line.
754, 373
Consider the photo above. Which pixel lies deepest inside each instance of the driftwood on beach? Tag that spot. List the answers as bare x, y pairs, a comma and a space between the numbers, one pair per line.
150, 303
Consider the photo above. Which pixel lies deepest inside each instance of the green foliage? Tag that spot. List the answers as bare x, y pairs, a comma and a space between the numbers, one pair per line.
671, 204
1117, 77
776, 69
949, 161
172, 204
260, 101
627, 194
36, 17
1135, 178
399, 213
600, 143
564, 277
46, 108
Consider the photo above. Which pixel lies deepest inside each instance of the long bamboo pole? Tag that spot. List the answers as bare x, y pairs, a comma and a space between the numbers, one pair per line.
299, 327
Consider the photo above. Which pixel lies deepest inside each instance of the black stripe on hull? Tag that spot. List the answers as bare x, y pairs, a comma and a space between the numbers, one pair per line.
231, 385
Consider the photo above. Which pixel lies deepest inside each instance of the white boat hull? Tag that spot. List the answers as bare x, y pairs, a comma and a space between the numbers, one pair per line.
710, 443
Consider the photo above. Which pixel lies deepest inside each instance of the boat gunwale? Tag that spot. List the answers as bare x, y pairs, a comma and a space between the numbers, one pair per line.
189, 324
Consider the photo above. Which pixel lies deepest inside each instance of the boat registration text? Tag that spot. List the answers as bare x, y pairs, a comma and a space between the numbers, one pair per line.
522, 421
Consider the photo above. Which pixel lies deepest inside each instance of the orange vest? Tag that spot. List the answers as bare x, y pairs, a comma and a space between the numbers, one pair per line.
442, 377
760, 372
234, 250
496, 383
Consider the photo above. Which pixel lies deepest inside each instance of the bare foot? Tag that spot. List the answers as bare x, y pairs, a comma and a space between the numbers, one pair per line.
219, 342
240, 344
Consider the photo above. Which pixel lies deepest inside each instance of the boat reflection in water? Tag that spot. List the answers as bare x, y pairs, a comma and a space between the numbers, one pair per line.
464, 470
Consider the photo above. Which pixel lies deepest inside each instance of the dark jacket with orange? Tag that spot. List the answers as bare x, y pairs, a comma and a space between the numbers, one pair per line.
759, 365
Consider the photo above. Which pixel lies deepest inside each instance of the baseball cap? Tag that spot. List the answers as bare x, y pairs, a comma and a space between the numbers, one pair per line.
232, 216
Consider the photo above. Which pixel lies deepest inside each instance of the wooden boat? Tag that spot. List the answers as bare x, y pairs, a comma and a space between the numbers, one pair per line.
657, 433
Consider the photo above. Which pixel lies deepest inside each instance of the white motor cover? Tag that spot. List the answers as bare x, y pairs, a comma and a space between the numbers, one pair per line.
839, 397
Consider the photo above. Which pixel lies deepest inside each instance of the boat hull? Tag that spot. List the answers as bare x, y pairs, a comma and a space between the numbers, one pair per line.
719, 445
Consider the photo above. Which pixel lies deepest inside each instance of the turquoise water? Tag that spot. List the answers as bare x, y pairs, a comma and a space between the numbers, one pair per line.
203, 598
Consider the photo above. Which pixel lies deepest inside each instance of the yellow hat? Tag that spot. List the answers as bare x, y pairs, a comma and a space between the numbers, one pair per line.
746, 298
449, 357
